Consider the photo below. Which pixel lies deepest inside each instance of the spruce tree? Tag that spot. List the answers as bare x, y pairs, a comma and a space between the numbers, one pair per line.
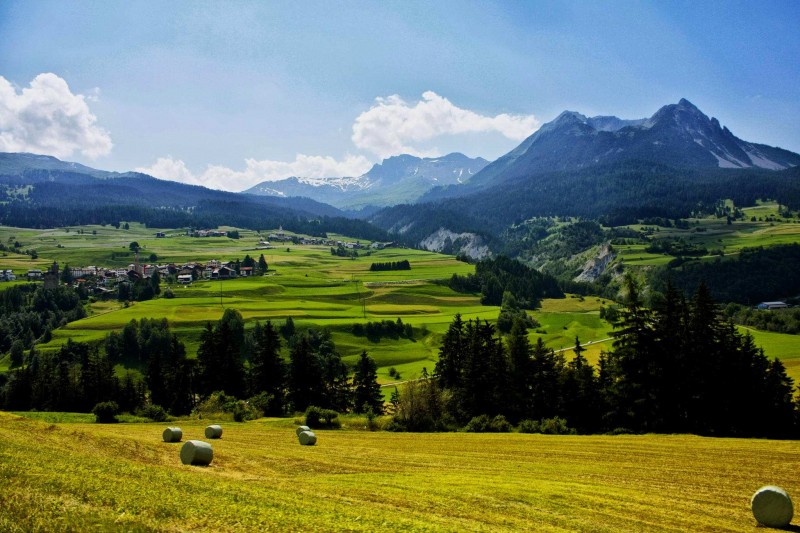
267, 369
366, 391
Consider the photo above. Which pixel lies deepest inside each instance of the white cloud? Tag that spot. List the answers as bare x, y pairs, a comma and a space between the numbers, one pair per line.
167, 168
393, 126
46, 118
220, 177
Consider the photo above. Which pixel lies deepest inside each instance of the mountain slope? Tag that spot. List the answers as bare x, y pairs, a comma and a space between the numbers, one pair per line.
41, 191
679, 135
398, 179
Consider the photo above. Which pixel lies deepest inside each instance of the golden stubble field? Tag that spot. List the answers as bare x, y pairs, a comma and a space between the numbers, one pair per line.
86, 477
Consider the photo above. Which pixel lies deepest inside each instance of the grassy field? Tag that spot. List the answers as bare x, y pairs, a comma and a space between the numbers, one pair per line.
305, 282
320, 290
86, 477
716, 234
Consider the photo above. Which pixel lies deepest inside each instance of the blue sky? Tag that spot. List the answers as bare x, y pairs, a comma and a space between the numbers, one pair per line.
228, 94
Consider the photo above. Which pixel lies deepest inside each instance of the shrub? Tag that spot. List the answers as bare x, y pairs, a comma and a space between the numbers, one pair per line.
528, 426
168, 293
317, 417
156, 413
265, 404
242, 412
105, 412
484, 424
547, 426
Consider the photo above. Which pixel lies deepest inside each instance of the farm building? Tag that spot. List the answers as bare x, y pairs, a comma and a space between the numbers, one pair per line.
770, 306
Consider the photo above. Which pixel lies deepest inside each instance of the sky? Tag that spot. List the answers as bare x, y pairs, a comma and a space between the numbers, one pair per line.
229, 94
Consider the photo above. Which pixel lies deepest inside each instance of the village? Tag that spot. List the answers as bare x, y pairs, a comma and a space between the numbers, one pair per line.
102, 281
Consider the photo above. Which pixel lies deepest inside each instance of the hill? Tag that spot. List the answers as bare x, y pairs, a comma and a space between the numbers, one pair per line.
42, 191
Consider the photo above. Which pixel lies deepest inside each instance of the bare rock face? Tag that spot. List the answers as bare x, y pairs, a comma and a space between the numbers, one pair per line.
595, 267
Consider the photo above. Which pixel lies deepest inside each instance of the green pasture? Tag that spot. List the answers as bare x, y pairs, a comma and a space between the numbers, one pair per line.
122, 477
781, 345
305, 282
716, 234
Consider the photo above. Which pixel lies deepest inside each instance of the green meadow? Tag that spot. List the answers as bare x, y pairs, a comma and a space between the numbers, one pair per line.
69, 475
714, 234
321, 290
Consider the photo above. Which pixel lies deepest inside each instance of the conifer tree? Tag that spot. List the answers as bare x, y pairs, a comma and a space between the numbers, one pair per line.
366, 391
267, 369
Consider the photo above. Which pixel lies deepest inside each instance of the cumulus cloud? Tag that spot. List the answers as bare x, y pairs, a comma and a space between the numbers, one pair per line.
167, 168
255, 171
393, 126
47, 118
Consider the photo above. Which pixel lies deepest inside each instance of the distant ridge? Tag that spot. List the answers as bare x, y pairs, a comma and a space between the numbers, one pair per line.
398, 179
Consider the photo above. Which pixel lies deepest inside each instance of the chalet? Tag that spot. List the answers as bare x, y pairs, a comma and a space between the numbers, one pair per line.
7, 275
224, 272
34, 274
245, 271
208, 272
184, 279
160, 235
771, 306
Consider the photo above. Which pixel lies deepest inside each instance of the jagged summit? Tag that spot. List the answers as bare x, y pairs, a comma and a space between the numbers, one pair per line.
679, 135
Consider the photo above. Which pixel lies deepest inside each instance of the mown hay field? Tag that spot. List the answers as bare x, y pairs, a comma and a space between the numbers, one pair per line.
86, 477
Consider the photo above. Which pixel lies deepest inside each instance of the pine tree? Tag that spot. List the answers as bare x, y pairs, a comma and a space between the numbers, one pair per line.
304, 386
262, 264
267, 369
155, 282
366, 391
449, 367
520, 371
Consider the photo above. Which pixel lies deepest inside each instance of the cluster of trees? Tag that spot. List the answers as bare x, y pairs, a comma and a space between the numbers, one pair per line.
754, 275
779, 320
28, 313
678, 368
494, 277
341, 251
676, 247
392, 265
240, 364
74, 379
374, 331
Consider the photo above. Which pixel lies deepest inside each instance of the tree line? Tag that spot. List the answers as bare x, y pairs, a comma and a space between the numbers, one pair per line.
390, 265
496, 276
245, 365
29, 313
679, 368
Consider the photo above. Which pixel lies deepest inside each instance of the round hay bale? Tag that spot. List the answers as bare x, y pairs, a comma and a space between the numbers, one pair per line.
307, 438
213, 432
172, 435
301, 429
772, 507
196, 452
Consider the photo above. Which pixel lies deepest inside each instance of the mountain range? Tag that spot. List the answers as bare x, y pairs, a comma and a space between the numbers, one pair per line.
399, 179
670, 165
678, 135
